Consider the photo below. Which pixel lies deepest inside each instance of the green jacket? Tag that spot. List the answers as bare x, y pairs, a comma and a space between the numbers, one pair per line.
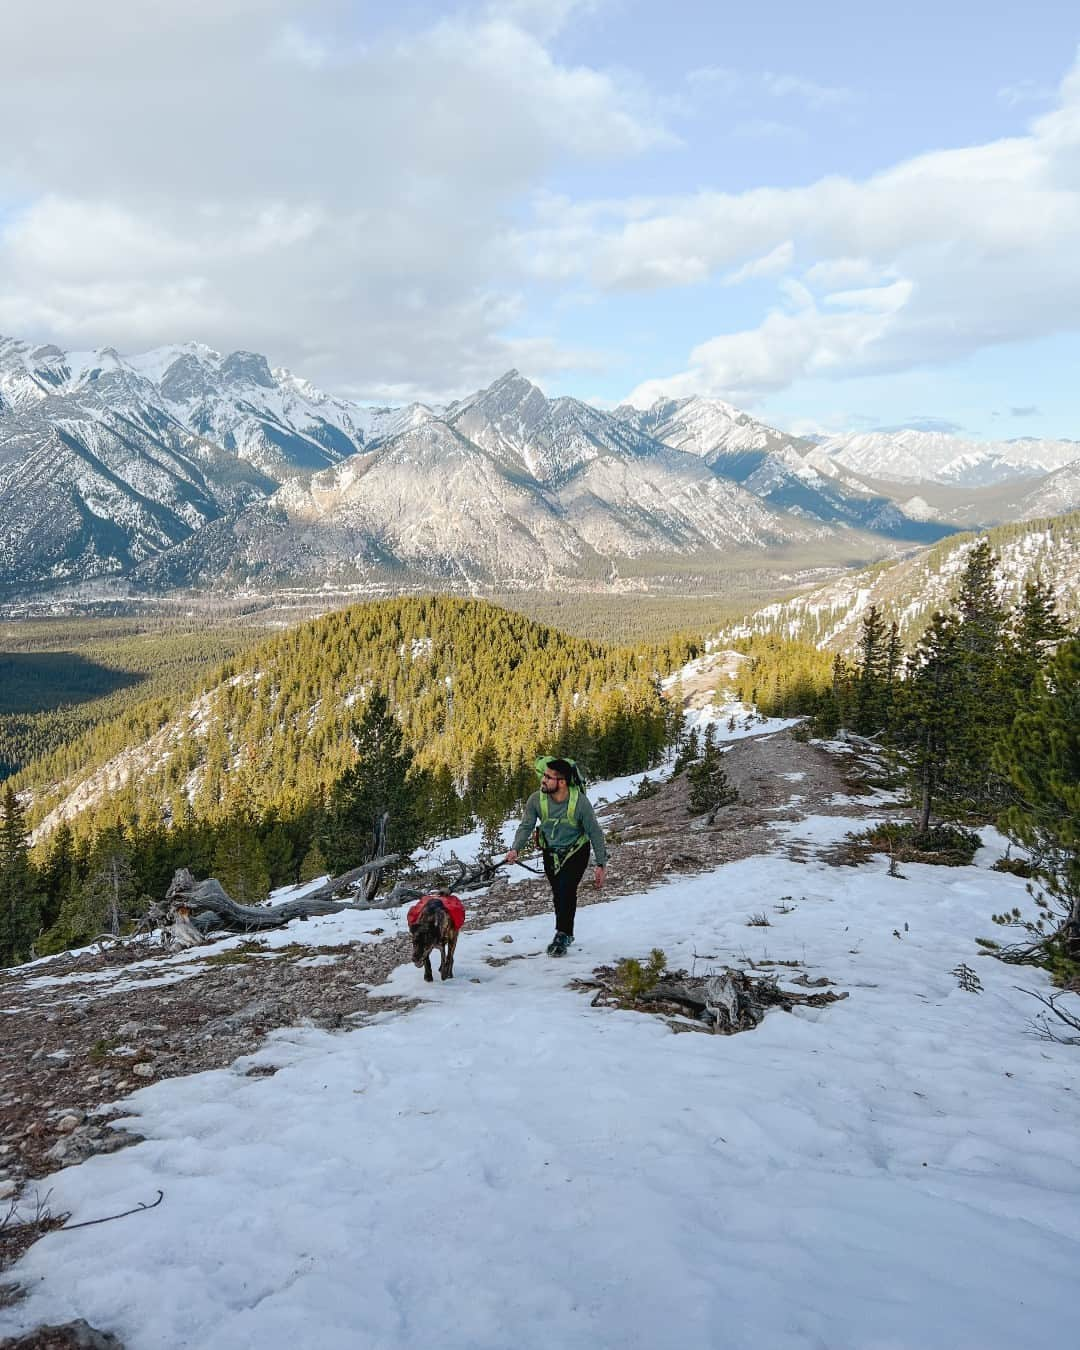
559, 833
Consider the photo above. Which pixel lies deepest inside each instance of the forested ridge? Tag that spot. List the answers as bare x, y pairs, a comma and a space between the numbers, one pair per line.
271, 724
432, 707
907, 591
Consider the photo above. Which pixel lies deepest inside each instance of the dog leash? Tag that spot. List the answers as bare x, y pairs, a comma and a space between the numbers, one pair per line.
536, 871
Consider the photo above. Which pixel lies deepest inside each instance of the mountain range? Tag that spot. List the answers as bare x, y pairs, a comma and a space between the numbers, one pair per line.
912, 456
182, 467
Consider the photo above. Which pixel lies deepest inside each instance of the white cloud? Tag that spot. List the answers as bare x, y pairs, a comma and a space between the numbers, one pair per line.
772, 264
926, 262
546, 18
785, 347
1025, 91
266, 173
727, 82
837, 273
816, 95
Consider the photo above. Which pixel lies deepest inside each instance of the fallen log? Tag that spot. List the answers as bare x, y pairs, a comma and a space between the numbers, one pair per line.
186, 897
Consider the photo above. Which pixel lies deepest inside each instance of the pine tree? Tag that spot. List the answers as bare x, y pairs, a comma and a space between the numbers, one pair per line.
239, 863
1041, 758
313, 864
710, 787
56, 873
1035, 629
20, 903
843, 690
277, 851
491, 840
376, 785
871, 682
689, 752
107, 898
933, 713
981, 713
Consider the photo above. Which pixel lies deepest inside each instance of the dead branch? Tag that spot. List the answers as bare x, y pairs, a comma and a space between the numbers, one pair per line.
191, 910
472, 876
1044, 1026
142, 1205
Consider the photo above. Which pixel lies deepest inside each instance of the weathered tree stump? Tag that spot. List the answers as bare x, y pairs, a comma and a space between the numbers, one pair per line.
727, 1001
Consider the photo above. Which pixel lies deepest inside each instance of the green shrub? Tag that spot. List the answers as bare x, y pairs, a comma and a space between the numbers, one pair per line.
632, 979
945, 845
1017, 867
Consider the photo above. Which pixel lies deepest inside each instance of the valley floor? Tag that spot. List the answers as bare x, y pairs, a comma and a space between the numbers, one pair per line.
502, 1164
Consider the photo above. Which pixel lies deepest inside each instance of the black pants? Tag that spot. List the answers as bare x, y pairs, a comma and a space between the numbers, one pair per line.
564, 884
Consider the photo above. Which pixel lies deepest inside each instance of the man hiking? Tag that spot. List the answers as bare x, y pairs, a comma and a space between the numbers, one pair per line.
567, 826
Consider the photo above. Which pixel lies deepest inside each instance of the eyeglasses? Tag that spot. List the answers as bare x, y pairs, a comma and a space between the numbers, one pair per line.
551, 778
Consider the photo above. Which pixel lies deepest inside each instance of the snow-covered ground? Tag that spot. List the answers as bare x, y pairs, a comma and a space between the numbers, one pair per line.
507, 1166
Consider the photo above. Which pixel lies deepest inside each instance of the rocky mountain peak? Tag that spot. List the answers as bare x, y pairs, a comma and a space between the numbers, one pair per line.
247, 368
185, 379
512, 397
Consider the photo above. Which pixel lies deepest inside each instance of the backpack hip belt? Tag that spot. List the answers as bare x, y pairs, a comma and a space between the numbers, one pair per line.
560, 855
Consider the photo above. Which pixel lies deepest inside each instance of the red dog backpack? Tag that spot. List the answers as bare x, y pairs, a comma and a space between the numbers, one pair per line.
451, 903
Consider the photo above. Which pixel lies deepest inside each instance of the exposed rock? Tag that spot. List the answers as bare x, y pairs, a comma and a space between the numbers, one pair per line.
77, 1335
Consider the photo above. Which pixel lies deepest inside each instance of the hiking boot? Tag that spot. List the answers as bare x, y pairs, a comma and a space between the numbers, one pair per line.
559, 944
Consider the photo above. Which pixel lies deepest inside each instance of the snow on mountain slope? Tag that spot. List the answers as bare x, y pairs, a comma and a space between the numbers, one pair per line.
596, 1179
705, 427
1056, 494
776, 468
910, 590
88, 491
938, 457
269, 418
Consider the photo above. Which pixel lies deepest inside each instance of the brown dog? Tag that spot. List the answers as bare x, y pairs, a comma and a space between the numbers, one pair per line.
434, 927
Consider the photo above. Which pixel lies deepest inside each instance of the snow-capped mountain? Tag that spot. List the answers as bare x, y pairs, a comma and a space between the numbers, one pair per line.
86, 491
708, 427
773, 466
123, 458
182, 464
268, 417
939, 457
507, 486
1057, 493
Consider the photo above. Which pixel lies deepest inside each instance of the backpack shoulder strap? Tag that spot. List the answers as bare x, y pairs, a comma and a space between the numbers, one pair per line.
571, 807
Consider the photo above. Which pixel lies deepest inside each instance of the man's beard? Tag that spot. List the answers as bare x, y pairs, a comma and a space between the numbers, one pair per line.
547, 789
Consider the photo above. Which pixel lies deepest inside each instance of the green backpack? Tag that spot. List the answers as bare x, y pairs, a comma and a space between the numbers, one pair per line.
576, 779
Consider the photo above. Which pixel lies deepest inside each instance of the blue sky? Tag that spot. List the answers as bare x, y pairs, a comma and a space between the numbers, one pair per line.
835, 216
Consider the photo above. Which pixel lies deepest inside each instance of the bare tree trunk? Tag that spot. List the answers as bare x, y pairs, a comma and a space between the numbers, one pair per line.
114, 898
927, 781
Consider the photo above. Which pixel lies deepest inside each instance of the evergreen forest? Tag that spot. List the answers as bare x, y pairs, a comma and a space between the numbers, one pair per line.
273, 769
